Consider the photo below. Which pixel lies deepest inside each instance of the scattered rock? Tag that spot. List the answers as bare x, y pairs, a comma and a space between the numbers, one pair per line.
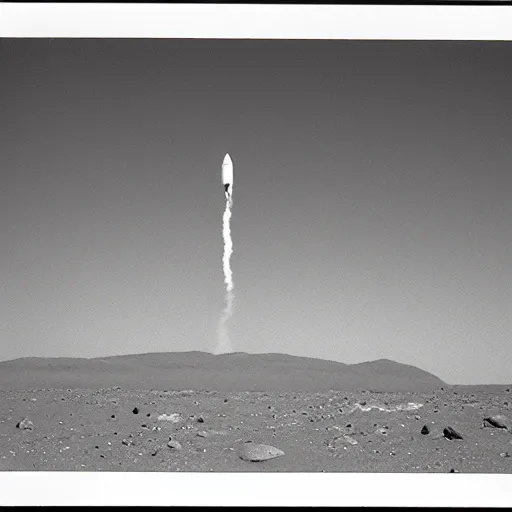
259, 452
341, 441
450, 433
349, 439
497, 421
411, 406
425, 430
173, 418
25, 424
175, 445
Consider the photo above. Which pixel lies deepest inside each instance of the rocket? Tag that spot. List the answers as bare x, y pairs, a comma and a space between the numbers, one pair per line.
227, 176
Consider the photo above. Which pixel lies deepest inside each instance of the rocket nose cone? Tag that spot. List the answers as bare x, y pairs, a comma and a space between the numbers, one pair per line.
227, 159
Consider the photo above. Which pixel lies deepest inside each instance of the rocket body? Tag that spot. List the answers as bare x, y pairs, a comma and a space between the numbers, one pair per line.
227, 176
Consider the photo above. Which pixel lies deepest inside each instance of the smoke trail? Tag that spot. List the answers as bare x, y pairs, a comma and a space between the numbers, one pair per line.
223, 340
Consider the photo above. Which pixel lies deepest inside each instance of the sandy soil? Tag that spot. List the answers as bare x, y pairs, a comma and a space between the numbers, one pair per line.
119, 429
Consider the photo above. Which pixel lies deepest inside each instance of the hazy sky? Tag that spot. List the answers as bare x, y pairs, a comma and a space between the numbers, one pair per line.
372, 199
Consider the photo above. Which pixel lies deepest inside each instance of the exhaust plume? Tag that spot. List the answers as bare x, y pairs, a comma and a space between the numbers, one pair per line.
223, 339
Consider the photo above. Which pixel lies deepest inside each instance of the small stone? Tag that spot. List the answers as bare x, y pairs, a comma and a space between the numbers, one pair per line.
259, 452
450, 433
497, 421
200, 419
135, 410
341, 441
174, 418
202, 433
505, 454
425, 430
453, 470
382, 431
174, 445
25, 424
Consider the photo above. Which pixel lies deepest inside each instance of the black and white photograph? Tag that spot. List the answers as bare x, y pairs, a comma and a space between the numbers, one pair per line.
256, 254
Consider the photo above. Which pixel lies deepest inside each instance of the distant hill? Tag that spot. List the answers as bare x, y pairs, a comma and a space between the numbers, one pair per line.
237, 371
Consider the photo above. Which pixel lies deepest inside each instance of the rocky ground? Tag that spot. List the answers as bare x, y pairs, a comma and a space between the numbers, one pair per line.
337, 431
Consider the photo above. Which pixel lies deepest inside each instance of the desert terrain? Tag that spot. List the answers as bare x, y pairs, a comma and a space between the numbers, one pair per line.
196, 412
